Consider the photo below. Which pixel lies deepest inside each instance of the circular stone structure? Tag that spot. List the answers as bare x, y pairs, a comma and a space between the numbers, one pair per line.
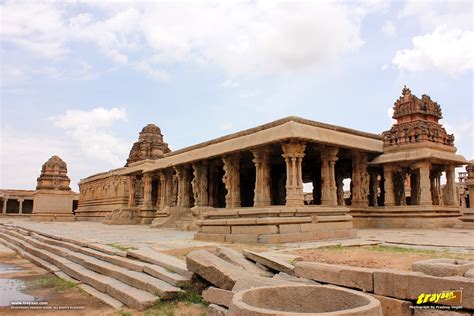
303, 300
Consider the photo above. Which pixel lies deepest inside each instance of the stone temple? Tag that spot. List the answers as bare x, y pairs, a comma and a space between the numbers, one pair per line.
249, 186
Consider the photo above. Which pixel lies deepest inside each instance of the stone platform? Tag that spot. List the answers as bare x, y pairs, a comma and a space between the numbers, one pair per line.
275, 224
410, 216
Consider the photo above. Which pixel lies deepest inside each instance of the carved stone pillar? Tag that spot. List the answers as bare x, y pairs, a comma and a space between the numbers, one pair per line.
450, 187
20, 209
4, 208
200, 184
374, 188
131, 190
212, 184
388, 185
232, 181
360, 179
182, 174
147, 186
435, 186
328, 161
424, 183
166, 185
293, 153
340, 189
262, 177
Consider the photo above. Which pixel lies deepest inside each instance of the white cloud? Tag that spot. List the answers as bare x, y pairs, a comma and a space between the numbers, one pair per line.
389, 29
448, 50
151, 71
430, 14
37, 27
90, 131
251, 38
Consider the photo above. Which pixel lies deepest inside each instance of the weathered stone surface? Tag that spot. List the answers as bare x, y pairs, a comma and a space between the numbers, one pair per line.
248, 282
215, 270
269, 261
132, 297
290, 278
217, 296
353, 277
166, 261
166, 275
469, 274
303, 299
238, 259
443, 267
392, 306
434, 312
216, 310
102, 296
409, 285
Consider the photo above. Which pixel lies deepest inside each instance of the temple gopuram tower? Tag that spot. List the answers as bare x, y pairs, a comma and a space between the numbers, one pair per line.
53, 198
417, 151
150, 145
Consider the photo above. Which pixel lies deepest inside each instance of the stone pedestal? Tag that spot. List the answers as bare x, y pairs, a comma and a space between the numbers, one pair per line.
53, 205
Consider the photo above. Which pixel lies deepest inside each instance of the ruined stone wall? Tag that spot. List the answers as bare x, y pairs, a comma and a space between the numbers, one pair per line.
101, 194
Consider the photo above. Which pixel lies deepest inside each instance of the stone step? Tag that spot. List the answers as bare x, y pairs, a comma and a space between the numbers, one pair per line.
135, 265
130, 296
133, 278
166, 261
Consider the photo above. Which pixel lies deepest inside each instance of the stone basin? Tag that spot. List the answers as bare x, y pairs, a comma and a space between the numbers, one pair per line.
303, 300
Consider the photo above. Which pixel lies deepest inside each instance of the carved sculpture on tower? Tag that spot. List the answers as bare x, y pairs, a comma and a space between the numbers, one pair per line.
417, 122
53, 198
150, 145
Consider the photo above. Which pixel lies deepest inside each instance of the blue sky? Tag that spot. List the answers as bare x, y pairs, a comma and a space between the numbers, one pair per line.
80, 79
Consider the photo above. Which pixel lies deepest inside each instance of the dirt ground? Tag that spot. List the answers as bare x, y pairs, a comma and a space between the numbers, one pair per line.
375, 256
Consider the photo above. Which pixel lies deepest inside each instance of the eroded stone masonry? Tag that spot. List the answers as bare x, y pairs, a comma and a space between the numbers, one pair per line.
249, 186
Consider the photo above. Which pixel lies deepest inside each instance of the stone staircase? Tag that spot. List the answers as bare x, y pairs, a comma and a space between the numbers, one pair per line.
109, 275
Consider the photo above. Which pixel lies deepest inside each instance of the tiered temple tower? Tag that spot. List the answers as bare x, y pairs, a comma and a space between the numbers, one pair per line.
54, 175
150, 145
417, 122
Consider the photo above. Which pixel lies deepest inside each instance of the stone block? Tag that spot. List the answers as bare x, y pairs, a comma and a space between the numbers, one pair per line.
269, 261
215, 229
238, 259
241, 221
260, 229
409, 285
353, 277
289, 228
290, 278
248, 282
284, 238
210, 237
469, 274
241, 238
213, 269
392, 306
284, 220
217, 296
334, 218
443, 267
216, 310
